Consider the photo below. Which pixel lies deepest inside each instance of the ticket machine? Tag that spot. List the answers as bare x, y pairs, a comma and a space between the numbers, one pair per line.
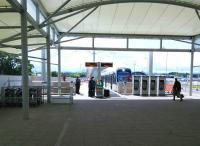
152, 85
136, 84
161, 85
144, 85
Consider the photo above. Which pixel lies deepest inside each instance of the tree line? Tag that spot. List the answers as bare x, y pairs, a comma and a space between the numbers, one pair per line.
11, 64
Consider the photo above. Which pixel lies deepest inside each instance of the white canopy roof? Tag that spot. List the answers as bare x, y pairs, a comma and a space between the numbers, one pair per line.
127, 17
118, 17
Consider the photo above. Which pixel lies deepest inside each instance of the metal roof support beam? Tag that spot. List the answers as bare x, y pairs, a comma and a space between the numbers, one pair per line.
55, 12
100, 3
10, 38
44, 11
25, 80
8, 46
106, 35
36, 57
70, 15
125, 49
39, 48
18, 38
186, 42
78, 22
17, 6
198, 15
13, 27
19, 46
7, 10
70, 40
36, 26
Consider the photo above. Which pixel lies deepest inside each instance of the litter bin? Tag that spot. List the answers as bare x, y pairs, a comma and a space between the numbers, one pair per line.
106, 93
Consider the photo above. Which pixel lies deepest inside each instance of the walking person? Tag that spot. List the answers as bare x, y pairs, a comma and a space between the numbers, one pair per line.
91, 87
177, 90
78, 84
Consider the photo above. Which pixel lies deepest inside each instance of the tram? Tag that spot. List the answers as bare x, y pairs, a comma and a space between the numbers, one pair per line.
112, 77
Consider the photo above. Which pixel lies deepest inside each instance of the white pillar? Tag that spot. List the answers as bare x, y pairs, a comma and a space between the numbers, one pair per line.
25, 84
150, 63
48, 67
43, 54
59, 70
93, 49
191, 67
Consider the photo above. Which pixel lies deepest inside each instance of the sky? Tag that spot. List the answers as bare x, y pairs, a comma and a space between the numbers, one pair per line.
163, 62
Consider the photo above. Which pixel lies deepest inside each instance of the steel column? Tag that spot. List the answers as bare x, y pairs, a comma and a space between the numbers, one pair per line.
191, 67
43, 54
59, 70
48, 66
25, 80
161, 41
150, 63
127, 43
93, 49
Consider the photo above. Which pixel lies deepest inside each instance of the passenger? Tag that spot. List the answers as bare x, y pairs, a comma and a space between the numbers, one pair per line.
78, 84
177, 90
91, 87
64, 77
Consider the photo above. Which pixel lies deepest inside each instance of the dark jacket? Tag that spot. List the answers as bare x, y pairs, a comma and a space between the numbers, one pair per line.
78, 82
92, 84
177, 87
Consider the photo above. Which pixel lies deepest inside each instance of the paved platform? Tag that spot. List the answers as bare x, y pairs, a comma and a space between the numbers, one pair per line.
104, 123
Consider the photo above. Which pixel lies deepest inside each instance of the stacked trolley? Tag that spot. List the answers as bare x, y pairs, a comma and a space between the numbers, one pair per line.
12, 96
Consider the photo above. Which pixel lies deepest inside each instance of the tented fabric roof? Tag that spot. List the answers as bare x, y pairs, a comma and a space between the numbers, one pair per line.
130, 18
146, 17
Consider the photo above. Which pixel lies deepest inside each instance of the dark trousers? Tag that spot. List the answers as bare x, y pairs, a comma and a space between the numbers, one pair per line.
91, 92
77, 89
178, 95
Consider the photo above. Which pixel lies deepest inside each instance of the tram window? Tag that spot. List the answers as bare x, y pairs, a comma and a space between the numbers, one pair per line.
161, 85
153, 84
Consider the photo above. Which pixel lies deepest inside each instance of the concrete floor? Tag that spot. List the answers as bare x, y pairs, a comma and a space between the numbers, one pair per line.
104, 123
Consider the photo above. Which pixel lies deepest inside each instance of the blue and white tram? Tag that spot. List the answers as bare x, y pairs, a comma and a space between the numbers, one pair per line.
111, 77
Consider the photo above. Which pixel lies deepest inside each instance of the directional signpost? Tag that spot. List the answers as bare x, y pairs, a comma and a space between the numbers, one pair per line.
99, 65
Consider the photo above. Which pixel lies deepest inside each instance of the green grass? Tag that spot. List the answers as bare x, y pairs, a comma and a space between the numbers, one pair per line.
196, 86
